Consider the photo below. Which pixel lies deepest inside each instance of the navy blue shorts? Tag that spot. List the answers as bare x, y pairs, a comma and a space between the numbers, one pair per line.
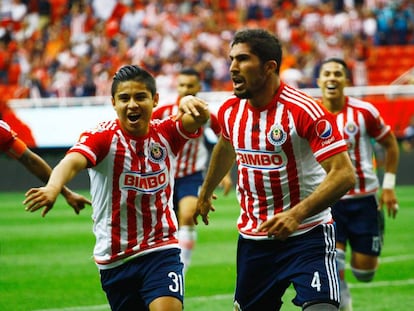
135, 284
358, 222
187, 186
265, 269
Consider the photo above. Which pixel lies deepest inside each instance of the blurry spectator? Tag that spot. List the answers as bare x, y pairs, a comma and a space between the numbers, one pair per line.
164, 36
408, 138
402, 24
384, 17
131, 21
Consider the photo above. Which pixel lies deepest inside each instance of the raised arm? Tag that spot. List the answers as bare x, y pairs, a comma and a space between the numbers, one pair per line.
194, 112
67, 168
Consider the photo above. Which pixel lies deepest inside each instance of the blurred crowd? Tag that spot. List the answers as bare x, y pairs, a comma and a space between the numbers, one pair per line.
71, 48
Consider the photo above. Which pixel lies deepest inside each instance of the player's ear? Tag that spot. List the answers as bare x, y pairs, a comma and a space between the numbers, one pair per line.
113, 102
155, 100
271, 65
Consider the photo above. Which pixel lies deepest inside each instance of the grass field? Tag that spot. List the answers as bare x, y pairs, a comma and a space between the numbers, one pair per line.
46, 263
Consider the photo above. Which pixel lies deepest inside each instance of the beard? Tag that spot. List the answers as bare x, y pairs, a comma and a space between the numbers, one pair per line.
245, 94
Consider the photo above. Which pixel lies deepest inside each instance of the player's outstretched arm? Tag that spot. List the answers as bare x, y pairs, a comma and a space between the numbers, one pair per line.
41, 169
45, 197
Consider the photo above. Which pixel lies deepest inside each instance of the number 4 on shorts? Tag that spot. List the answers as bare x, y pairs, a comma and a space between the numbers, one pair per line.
316, 281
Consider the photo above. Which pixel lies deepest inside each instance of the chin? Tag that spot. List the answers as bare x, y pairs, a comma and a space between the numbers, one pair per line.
242, 94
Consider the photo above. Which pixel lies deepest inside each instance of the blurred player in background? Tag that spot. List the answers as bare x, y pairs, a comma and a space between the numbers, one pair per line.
358, 215
292, 166
14, 147
130, 161
191, 164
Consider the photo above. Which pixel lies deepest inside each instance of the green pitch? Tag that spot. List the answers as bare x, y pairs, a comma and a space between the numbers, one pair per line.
46, 263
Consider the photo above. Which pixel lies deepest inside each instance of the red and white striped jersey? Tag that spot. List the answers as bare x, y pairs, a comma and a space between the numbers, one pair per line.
194, 155
131, 187
9, 141
278, 148
360, 124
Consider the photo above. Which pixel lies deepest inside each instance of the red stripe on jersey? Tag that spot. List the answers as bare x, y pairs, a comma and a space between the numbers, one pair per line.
116, 200
278, 147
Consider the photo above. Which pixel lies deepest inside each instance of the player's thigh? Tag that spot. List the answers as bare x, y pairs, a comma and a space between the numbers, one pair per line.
166, 303
163, 276
315, 276
259, 283
363, 261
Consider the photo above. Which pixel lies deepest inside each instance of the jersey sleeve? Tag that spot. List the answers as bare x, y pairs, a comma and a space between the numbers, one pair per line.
12, 145
323, 135
174, 132
376, 126
93, 144
214, 124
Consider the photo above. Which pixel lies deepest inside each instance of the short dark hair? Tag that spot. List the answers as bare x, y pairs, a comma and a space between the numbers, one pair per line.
338, 61
262, 43
133, 73
190, 71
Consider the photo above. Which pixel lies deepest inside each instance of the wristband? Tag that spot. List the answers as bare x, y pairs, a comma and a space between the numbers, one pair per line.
388, 181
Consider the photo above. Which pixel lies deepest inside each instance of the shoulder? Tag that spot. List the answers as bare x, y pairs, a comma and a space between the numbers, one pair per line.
301, 103
229, 103
163, 111
362, 105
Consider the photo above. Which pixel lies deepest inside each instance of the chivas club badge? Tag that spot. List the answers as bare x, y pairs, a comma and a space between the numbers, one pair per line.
351, 129
277, 136
157, 153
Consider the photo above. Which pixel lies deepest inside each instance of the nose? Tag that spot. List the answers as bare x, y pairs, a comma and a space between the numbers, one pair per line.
132, 103
233, 66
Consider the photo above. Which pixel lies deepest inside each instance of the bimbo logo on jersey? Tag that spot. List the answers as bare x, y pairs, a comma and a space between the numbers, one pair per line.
145, 183
323, 129
261, 159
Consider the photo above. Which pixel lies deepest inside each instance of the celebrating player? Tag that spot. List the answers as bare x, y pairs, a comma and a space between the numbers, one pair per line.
130, 163
292, 166
358, 215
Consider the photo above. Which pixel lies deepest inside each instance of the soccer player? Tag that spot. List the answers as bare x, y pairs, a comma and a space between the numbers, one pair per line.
191, 164
292, 165
15, 148
358, 215
130, 163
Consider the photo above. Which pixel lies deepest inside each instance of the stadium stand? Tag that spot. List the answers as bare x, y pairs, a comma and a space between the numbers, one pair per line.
71, 48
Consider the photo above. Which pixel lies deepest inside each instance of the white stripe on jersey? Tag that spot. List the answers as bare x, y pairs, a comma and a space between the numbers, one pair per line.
131, 188
360, 122
276, 156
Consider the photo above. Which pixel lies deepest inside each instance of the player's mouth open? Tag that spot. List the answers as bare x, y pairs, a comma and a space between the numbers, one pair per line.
331, 86
238, 82
133, 117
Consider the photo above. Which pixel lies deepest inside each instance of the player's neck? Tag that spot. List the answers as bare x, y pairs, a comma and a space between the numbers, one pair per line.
335, 105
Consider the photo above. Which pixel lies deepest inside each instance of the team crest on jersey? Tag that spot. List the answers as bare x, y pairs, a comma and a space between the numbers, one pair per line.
277, 136
157, 153
323, 129
351, 129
